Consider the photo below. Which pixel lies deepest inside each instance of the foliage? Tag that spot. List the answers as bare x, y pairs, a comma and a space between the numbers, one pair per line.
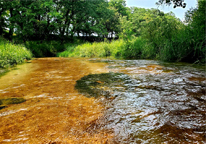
177, 3
102, 49
136, 48
44, 48
11, 54
150, 33
168, 38
44, 27
40, 18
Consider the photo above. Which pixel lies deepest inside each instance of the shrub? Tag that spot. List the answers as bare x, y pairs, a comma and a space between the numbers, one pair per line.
45, 48
11, 54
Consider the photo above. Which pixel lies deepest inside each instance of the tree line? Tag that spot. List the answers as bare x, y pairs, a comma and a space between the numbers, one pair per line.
165, 35
41, 18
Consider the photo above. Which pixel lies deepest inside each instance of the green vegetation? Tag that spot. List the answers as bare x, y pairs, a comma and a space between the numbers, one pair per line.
136, 48
101, 49
9, 101
45, 48
152, 34
52, 27
11, 54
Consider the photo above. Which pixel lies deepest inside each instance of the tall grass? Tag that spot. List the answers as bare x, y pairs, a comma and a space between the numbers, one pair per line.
101, 49
135, 48
11, 54
69, 48
183, 47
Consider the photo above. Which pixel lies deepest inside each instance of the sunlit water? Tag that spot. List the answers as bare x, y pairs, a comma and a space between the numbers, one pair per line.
161, 102
155, 103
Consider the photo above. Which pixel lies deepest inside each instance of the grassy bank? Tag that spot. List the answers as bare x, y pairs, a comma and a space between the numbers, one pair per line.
101, 49
11, 54
136, 48
177, 49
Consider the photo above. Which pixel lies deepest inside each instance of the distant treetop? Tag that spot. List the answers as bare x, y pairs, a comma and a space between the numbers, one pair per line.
177, 3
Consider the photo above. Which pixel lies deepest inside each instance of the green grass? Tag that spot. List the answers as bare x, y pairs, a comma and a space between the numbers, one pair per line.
11, 54
101, 49
180, 48
183, 47
135, 48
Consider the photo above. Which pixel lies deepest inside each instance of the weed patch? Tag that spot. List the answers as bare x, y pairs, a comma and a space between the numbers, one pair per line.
11, 54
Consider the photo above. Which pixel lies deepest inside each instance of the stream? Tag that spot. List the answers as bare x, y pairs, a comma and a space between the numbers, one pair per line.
70, 100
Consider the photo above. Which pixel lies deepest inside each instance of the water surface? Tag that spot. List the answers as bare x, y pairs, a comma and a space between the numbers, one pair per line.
158, 103
128, 101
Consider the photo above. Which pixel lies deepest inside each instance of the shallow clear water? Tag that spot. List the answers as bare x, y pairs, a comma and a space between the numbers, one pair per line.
161, 102
150, 102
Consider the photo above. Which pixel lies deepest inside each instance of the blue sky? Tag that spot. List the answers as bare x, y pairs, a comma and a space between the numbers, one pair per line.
179, 12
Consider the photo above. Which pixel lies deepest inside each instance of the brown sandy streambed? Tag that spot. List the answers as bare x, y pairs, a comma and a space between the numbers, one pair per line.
54, 111
72, 100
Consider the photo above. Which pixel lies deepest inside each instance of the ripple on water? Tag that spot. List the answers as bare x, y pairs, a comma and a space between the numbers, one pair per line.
12, 112
156, 103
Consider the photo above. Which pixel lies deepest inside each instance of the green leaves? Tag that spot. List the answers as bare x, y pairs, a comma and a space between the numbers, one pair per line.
12, 54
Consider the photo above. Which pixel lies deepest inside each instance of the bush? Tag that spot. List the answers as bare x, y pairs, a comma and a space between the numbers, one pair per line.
45, 48
183, 47
137, 48
11, 54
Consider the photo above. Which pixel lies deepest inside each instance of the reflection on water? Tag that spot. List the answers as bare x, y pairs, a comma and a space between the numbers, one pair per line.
138, 101
159, 103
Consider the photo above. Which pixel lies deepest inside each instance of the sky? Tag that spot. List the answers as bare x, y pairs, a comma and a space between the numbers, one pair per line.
179, 11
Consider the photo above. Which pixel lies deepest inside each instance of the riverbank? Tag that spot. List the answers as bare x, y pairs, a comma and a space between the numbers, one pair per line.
3, 71
11, 54
138, 48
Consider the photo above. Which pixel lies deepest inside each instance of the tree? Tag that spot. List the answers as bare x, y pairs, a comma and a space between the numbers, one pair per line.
3, 14
177, 3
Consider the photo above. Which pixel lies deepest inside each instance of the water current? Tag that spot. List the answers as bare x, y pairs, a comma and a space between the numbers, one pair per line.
104, 101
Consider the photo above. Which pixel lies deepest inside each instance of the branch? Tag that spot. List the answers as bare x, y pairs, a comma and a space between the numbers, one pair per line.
176, 3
